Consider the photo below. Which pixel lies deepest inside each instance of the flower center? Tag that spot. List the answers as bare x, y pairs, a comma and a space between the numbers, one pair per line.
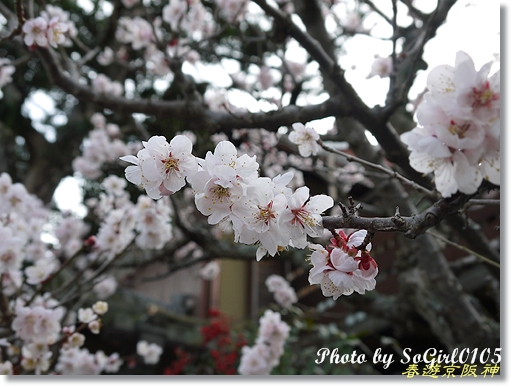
484, 96
7, 257
266, 214
302, 216
458, 130
219, 192
171, 163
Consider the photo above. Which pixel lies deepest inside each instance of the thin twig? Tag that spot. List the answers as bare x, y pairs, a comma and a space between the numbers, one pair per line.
375, 9
463, 248
390, 172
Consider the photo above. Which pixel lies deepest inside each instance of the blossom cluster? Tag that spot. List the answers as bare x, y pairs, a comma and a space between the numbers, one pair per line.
229, 192
38, 327
189, 16
233, 10
261, 358
341, 268
79, 361
136, 31
101, 146
23, 256
146, 222
104, 85
283, 293
52, 28
44, 332
458, 132
188, 19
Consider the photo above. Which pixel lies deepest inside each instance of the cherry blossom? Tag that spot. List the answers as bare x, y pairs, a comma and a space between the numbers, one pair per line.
222, 181
269, 346
104, 85
381, 67
464, 92
39, 272
76, 340
56, 32
100, 307
306, 138
37, 324
11, 250
149, 352
59, 19
35, 32
77, 361
136, 31
94, 326
342, 269
265, 205
283, 293
35, 357
169, 163
86, 315
233, 10
457, 137
173, 13
258, 214
6, 368
105, 287
303, 218
106, 56
254, 361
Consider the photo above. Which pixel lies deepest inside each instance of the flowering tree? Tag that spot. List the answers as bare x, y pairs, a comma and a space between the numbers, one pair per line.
178, 168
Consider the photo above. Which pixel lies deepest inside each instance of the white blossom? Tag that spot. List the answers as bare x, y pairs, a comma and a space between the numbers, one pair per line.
100, 307
306, 138
149, 352
35, 32
86, 315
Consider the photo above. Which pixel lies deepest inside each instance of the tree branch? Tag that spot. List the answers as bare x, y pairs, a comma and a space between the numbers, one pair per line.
195, 113
411, 226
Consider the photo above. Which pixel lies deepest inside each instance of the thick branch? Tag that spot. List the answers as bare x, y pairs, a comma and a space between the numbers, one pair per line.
195, 113
411, 226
